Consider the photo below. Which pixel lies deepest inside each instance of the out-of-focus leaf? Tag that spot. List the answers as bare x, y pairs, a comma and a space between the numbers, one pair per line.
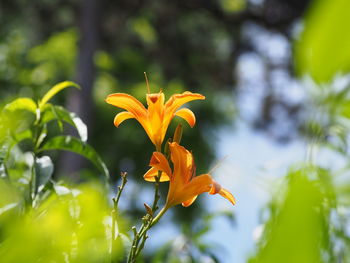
55, 89
68, 228
75, 145
201, 232
52, 112
21, 104
161, 254
43, 170
25, 135
19, 115
323, 49
3, 173
61, 190
345, 109
4, 147
8, 207
297, 231
42, 136
9, 202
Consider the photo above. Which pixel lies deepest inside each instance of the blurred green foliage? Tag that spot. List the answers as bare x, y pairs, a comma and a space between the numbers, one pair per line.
307, 219
323, 49
72, 225
298, 227
42, 219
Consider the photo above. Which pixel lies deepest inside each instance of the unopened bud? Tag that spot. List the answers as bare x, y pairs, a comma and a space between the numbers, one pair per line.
148, 209
166, 147
178, 134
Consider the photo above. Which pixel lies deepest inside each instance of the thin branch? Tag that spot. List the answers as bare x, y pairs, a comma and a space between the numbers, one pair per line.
114, 212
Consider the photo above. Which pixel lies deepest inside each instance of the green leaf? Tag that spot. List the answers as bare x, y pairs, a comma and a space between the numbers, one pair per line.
52, 112
19, 115
323, 50
300, 216
75, 145
8, 207
61, 190
21, 104
41, 137
43, 171
55, 89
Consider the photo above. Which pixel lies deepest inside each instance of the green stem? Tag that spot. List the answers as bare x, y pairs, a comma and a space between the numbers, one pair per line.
140, 236
156, 192
114, 214
33, 183
160, 214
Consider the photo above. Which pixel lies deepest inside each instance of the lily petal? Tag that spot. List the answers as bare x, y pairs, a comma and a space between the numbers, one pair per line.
190, 201
187, 115
177, 100
226, 194
155, 115
183, 163
159, 162
151, 173
129, 103
217, 189
196, 186
122, 116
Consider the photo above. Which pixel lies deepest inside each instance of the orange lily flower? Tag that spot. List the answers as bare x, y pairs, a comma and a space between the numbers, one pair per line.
156, 118
184, 185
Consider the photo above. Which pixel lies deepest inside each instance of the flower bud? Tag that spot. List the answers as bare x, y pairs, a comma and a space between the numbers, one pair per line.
166, 147
148, 209
178, 134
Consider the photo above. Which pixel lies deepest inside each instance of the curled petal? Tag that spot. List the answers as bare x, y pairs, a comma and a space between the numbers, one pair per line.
129, 103
122, 116
177, 100
217, 189
226, 194
187, 115
151, 173
159, 162
189, 201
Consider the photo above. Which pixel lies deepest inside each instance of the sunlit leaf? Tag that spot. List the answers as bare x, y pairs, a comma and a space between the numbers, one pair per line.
7, 207
3, 173
43, 170
61, 190
75, 145
42, 136
52, 112
21, 104
323, 50
9, 201
296, 231
19, 115
55, 89
65, 228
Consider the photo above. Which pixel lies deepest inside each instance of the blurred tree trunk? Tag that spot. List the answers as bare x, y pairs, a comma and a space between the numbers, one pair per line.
81, 102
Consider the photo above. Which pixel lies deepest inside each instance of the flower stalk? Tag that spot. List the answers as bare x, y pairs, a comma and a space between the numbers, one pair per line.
114, 213
141, 236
